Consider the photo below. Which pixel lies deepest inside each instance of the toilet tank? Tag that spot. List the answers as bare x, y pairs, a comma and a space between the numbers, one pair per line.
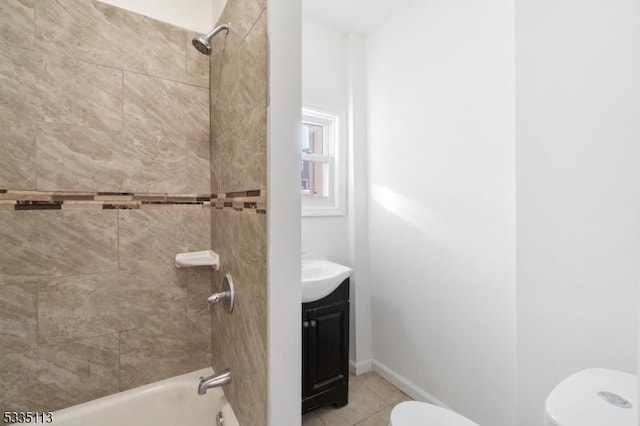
594, 397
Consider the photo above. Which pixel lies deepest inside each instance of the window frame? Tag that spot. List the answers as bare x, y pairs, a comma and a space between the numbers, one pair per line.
334, 147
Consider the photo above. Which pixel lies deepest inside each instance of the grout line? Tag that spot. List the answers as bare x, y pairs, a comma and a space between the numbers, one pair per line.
122, 109
253, 25
121, 68
35, 27
118, 240
82, 126
160, 78
38, 312
75, 339
35, 156
120, 361
186, 58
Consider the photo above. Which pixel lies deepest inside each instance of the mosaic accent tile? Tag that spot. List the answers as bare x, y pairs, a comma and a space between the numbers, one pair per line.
152, 197
114, 196
236, 194
82, 205
73, 197
28, 195
182, 198
247, 201
38, 205
121, 206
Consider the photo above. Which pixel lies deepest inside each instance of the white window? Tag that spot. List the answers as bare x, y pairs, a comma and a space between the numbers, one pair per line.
322, 174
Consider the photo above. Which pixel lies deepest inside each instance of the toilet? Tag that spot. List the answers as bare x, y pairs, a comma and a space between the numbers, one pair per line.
414, 413
591, 397
594, 397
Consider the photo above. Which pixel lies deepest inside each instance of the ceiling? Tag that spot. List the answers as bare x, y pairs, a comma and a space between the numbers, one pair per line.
360, 16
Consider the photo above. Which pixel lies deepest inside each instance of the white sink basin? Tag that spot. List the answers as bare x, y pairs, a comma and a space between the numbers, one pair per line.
320, 278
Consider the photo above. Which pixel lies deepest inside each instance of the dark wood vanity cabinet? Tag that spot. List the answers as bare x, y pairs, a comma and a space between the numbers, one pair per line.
325, 350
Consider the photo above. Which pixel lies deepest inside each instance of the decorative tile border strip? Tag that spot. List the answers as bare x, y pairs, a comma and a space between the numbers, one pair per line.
254, 200
247, 201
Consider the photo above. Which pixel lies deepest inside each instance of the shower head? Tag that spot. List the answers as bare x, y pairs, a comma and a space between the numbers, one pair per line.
202, 41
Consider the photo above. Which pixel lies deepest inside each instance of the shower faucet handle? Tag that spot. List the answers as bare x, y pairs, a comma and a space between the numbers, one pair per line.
219, 297
227, 295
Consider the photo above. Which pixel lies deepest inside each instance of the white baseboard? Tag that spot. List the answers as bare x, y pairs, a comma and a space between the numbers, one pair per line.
405, 385
360, 367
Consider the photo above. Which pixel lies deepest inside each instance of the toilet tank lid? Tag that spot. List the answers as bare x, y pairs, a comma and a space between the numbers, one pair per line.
585, 399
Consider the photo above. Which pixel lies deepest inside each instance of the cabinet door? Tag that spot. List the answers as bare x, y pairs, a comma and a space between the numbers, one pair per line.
328, 347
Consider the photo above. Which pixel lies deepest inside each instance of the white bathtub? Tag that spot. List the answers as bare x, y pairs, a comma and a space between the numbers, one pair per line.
170, 402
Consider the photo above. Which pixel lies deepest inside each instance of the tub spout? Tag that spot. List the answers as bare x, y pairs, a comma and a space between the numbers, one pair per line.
214, 381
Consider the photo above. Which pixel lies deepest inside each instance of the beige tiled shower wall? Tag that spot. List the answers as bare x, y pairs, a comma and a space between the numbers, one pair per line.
238, 128
95, 98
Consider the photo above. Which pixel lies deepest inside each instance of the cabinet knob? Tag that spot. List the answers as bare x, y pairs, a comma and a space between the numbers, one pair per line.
305, 324
313, 323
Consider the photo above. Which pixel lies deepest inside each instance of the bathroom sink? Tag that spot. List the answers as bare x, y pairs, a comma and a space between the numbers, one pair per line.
320, 278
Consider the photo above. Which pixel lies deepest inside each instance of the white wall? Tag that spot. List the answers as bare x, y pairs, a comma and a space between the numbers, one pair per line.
324, 86
361, 333
196, 15
326, 238
442, 203
284, 292
578, 144
333, 78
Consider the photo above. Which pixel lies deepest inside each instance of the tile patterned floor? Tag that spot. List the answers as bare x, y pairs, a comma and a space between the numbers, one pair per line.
371, 399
